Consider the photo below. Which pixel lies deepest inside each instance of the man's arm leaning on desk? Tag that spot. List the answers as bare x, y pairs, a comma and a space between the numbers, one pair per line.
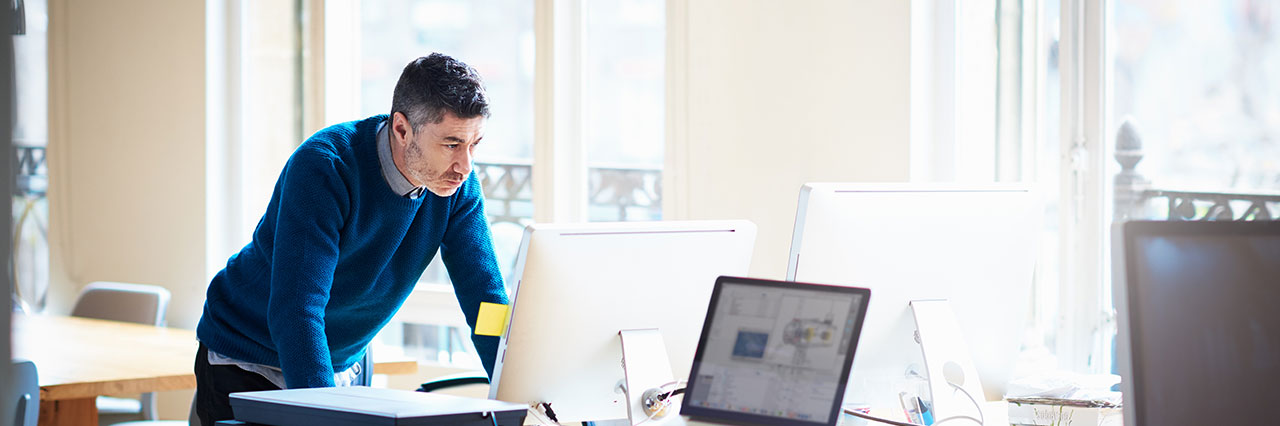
304, 257
467, 252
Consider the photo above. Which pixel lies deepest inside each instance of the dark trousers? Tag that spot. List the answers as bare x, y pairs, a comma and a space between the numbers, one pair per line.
215, 382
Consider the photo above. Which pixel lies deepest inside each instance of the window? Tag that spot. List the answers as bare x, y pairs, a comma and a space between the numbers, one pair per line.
254, 115
500, 47
604, 61
30, 136
1193, 77
985, 95
1199, 81
1007, 103
1046, 144
624, 113
387, 35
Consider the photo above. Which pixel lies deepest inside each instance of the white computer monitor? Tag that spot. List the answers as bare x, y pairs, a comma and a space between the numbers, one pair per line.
974, 245
580, 284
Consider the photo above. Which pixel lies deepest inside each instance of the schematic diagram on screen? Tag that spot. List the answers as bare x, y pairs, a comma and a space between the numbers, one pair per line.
789, 331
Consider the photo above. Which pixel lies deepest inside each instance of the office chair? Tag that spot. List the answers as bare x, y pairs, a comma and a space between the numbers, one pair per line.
464, 378
192, 419
135, 303
366, 368
455, 380
26, 393
365, 379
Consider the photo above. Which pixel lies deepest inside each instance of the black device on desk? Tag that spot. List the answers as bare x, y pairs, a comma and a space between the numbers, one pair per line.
1199, 332
775, 353
360, 405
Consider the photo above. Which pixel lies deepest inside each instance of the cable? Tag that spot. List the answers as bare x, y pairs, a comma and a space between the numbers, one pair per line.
976, 405
877, 419
982, 420
898, 423
674, 382
536, 409
546, 415
664, 399
671, 394
550, 413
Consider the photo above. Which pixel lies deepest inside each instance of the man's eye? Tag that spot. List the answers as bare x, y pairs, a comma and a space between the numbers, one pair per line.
452, 146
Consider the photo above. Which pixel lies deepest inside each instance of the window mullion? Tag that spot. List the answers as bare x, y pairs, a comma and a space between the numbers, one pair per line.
341, 56
559, 152
1082, 166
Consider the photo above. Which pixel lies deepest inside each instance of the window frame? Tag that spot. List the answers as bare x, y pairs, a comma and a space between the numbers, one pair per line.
1084, 311
245, 151
1084, 317
1087, 316
558, 146
331, 51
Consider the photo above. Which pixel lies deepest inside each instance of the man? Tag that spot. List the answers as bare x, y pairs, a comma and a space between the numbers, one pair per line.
357, 214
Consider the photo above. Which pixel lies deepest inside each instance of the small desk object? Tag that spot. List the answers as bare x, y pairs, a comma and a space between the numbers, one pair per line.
360, 405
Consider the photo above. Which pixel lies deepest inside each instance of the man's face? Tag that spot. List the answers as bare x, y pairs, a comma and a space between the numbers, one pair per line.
438, 156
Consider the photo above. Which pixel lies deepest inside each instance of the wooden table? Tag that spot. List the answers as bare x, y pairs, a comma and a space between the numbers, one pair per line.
79, 359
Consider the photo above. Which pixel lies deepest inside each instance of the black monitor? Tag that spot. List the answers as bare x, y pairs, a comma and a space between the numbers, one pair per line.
1199, 308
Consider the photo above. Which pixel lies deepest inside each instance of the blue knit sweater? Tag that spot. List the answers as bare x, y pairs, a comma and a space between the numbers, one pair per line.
335, 256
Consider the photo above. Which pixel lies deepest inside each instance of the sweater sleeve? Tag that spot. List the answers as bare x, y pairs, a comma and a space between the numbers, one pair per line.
313, 199
467, 251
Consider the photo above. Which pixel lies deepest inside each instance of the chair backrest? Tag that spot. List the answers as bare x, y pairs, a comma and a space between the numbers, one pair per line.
136, 303
26, 391
366, 368
192, 418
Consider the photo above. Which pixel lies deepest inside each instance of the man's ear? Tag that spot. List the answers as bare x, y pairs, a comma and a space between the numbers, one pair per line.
400, 128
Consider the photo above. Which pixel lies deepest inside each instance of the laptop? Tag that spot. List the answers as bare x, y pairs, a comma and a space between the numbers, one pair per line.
364, 406
774, 353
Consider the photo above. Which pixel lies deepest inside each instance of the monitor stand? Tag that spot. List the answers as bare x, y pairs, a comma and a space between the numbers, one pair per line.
647, 370
948, 366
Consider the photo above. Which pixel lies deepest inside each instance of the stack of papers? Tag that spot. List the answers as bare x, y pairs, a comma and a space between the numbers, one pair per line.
1053, 414
1065, 398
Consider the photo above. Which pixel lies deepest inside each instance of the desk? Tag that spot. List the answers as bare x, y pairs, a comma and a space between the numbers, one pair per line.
79, 359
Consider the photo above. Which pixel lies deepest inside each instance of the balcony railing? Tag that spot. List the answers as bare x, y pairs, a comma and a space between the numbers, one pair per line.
617, 193
508, 191
30, 229
1135, 196
31, 171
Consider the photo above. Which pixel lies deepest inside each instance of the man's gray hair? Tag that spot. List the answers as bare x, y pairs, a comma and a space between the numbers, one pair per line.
434, 84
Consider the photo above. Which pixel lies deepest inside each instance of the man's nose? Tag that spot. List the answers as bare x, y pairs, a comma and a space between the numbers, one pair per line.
463, 164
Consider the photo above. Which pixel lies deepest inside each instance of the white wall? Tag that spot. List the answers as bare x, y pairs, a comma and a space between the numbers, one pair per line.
768, 95
127, 152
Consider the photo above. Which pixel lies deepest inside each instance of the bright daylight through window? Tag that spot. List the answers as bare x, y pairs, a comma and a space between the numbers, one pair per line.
622, 96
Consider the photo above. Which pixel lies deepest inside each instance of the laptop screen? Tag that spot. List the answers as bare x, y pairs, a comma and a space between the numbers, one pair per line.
775, 352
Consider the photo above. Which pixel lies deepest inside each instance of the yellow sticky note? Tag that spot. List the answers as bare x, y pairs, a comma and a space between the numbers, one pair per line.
491, 320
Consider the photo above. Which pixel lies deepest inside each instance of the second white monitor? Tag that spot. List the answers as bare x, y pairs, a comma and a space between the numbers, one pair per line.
582, 283
973, 245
